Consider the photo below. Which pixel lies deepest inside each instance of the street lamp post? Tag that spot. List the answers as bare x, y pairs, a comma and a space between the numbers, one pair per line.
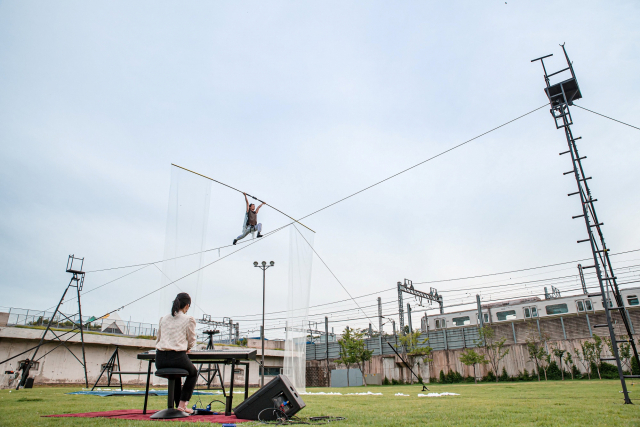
263, 267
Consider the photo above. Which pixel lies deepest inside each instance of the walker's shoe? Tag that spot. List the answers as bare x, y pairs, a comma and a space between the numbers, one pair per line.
235, 241
259, 235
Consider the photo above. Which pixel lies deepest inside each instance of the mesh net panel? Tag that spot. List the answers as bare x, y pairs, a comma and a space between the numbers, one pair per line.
300, 259
187, 218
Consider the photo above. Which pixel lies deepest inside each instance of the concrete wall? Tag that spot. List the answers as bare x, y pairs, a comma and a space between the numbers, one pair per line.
268, 344
566, 332
4, 318
392, 367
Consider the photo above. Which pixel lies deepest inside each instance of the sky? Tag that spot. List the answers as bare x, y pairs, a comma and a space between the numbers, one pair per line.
302, 104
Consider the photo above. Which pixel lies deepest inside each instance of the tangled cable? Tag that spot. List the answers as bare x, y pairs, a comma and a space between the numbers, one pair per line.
282, 418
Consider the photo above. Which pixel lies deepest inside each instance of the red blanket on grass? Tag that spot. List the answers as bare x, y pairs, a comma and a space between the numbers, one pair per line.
136, 414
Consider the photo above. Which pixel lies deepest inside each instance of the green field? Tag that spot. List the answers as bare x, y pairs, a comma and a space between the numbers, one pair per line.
553, 403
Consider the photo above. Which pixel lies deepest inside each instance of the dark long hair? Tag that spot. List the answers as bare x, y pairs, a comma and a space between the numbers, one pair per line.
182, 300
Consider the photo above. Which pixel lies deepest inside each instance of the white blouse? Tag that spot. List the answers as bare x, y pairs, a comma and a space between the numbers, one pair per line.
176, 333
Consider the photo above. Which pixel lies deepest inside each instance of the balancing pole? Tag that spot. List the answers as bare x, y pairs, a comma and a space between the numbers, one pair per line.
239, 191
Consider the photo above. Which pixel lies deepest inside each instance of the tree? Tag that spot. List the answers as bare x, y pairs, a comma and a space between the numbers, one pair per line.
346, 356
536, 349
546, 363
597, 353
472, 358
559, 353
414, 349
585, 356
568, 360
494, 348
624, 351
358, 351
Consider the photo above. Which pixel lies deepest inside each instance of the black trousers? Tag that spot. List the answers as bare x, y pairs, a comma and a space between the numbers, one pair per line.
179, 360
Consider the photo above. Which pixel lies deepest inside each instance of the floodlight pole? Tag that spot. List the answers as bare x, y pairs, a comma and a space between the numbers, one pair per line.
264, 268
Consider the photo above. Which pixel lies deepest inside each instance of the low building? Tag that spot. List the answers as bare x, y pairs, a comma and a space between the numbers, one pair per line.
57, 364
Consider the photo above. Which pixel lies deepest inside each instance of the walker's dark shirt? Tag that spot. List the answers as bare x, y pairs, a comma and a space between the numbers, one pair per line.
252, 217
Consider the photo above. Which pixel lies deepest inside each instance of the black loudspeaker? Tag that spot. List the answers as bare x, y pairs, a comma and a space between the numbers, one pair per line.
278, 393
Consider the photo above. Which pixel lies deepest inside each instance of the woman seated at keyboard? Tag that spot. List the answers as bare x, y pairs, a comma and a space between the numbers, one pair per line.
176, 337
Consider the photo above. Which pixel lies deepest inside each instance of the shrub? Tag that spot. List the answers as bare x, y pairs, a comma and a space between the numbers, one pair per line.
420, 379
609, 371
553, 372
635, 369
504, 376
489, 377
386, 381
443, 379
394, 381
522, 376
453, 377
576, 372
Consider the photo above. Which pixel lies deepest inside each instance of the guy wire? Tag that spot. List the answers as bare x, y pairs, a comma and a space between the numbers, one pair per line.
357, 192
228, 186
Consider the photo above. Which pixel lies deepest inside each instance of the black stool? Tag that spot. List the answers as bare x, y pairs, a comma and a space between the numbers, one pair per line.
172, 374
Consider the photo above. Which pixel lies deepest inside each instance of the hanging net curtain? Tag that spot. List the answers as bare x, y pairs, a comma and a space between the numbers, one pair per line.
186, 230
187, 219
300, 260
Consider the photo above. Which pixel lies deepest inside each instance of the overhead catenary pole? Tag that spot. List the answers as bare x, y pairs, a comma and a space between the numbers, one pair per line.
400, 308
480, 318
243, 192
326, 335
407, 287
380, 323
584, 286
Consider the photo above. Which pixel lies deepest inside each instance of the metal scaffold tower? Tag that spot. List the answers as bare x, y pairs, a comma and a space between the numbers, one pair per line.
561, 95
407, 287
74, 266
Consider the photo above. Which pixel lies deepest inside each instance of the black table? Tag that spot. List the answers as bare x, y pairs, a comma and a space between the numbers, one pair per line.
227, 357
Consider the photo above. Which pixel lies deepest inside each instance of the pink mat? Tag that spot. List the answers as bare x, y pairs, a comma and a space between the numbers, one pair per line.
136, 414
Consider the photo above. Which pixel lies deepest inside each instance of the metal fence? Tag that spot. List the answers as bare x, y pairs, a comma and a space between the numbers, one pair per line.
39, 318
516, 332
438, 340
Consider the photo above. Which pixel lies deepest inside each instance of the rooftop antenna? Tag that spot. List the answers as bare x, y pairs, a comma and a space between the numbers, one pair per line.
561, 96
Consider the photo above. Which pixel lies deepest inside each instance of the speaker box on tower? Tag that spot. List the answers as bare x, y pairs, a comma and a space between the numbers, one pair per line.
278, 393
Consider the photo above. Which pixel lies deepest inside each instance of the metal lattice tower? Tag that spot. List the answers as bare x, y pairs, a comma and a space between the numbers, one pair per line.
561, 95
77, 280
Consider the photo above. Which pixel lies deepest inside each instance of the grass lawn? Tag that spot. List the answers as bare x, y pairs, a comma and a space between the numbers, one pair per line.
553, 403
